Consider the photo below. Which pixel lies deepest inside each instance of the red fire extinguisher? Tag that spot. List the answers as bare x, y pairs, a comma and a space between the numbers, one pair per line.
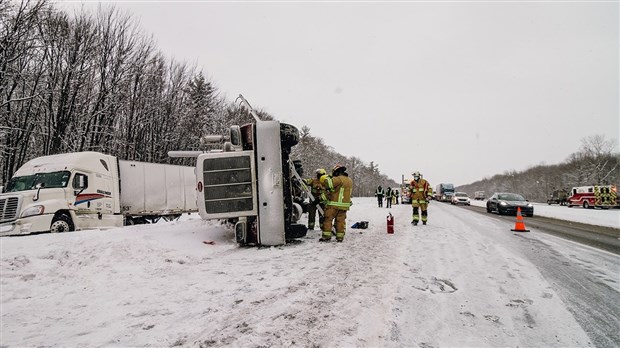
390, 224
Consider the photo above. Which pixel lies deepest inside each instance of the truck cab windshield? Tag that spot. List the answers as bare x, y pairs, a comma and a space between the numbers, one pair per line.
45, 180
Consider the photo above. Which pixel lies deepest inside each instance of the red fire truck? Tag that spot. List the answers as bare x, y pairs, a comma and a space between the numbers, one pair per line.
597, 196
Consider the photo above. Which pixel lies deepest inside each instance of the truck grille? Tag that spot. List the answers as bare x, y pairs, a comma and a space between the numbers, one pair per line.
228, 184
8, 208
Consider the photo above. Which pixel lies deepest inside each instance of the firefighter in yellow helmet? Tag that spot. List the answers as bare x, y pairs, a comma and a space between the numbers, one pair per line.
318, 192
339, 187
420, 192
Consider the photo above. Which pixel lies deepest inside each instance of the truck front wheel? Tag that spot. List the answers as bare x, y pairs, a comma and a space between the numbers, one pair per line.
289, 135
61, 223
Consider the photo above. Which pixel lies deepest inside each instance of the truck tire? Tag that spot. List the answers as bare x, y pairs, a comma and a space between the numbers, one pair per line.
586, 205
61, 223
289, 135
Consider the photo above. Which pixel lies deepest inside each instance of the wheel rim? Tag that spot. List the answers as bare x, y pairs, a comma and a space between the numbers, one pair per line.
59, 226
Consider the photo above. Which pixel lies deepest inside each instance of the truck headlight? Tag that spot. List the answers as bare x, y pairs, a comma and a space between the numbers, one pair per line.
34, 210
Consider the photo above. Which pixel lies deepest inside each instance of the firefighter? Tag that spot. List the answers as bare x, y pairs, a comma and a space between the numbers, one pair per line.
379, 194
318, 192
421, 193
339, 187
388, 197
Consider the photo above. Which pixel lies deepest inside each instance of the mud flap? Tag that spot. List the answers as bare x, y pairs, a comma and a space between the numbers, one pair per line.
296, 231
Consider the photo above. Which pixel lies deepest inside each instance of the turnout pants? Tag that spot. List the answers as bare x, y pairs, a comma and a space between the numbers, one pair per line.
417, 207
312, 216
339, 216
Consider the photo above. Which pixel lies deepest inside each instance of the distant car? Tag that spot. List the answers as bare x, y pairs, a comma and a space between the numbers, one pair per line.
508, 203
479, 195
460, 198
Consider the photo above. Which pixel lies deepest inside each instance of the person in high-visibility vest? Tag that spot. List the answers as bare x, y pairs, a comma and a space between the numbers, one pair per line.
379, 194
421, 193
317, 190
339, 187
388, 197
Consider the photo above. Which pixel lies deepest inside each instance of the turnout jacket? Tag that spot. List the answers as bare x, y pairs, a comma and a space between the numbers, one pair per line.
419, 191
339, 190
317, 189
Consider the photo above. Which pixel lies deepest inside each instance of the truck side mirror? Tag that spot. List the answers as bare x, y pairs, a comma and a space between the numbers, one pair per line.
235, 135
38, 186
80, 182
83, 182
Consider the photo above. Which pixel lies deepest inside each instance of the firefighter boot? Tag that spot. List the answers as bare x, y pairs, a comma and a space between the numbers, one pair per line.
326, 237
339, 236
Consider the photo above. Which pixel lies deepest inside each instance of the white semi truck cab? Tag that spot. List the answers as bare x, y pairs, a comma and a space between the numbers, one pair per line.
253, 183
83, 190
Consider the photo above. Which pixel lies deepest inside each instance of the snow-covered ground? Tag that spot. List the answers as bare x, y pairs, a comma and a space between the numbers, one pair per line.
599, 217
462, 280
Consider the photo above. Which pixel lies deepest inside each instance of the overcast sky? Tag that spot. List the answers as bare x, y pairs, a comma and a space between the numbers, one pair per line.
456, 90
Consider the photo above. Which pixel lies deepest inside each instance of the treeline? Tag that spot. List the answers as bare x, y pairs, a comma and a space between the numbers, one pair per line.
595, 163
314, 154
97, 82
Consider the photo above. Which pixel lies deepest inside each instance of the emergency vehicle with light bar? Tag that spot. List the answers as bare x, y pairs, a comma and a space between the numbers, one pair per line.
597, 196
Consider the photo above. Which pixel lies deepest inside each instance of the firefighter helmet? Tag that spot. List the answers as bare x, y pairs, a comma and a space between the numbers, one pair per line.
416, 175
320, 172
338, 169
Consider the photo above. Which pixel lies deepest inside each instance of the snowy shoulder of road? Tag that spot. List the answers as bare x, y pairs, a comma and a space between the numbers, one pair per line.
462, 280
598, 217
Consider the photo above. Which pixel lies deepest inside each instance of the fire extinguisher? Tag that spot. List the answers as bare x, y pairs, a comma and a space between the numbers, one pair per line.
390, 224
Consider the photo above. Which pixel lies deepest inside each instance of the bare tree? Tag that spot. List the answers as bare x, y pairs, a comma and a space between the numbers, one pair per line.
19, 80
116, 40
96, 82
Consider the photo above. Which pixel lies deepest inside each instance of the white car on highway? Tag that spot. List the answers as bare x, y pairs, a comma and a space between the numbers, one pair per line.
460, 198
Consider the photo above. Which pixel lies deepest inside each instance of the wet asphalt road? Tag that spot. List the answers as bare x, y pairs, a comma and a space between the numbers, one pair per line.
592, 298
601, 237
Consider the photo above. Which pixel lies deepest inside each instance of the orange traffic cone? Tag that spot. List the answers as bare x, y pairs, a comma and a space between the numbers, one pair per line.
519, 225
